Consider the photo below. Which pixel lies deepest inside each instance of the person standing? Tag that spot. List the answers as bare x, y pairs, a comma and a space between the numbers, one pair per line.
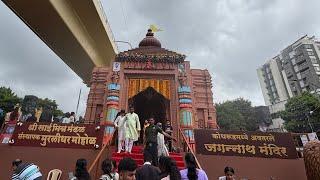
162, 148
2, 115
13, 116
192, 172
147, 171
145, 125
169, 169
132, 129
32, 118
120, 124
168, 129
151, 140
66, 119
72, 117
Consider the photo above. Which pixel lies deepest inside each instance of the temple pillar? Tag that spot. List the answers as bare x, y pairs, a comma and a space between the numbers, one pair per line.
111, 107
96, 94
185, 111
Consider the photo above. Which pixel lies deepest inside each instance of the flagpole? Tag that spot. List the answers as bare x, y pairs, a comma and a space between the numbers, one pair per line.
78, 102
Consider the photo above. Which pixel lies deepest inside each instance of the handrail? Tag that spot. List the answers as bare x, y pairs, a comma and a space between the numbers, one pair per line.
100, 153
190, 148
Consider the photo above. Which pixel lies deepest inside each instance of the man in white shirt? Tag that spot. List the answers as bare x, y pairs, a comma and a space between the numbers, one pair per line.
72, 117
66, 119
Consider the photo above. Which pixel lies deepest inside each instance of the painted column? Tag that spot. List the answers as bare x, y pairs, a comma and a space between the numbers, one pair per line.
186, 116
185, 103
111, 104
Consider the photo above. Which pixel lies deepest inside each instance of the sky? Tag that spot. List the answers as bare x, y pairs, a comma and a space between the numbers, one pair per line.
230, 38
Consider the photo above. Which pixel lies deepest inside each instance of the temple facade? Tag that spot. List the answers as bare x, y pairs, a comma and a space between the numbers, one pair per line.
155, 81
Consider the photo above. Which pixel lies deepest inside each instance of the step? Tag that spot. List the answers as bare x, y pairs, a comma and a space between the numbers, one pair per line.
175, 154
133, 151
179, 168
132, 155
138, 161
140, 156
177, 157
137, 155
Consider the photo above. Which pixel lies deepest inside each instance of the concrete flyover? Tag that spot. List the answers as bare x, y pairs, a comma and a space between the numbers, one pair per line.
77, 31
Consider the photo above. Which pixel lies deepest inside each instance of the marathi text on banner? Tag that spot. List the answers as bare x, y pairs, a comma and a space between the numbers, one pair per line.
239, 143
58, 135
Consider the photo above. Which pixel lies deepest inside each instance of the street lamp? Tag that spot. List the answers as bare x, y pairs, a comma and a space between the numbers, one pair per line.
126, 42
308, 119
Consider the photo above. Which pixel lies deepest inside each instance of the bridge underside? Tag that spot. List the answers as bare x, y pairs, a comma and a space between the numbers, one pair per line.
77, 31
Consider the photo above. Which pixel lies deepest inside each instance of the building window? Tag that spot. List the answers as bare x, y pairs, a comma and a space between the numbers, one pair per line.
298, 75
267, 70
271, 82
307, 46
310, 53
291, 54
302, 62
313, 60
303, 71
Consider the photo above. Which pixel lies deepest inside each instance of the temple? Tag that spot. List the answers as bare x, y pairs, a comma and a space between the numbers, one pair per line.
156, 82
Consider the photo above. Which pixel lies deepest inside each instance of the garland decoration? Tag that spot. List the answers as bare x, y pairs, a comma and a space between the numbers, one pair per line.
137, 57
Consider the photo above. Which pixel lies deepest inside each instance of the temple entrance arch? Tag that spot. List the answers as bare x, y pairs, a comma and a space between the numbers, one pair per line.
149, 103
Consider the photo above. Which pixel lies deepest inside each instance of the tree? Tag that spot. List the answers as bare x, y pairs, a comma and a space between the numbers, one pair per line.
51, 105
237, 114
297, 113
8, 99
263, 116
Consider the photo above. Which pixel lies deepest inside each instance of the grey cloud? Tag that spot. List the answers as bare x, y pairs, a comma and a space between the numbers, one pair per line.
229, 38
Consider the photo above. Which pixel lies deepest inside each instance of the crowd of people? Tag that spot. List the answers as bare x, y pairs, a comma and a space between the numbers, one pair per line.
37, 116
158, 165
156, 141
127, 169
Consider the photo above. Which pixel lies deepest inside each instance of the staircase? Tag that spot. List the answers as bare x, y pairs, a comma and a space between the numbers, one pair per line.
137, 155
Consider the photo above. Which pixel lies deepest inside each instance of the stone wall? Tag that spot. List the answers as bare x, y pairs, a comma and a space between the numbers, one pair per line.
205, 111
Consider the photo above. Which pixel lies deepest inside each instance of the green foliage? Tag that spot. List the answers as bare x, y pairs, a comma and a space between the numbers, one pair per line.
51, 105
8, 99
237, 114
57, 112
297, 112
47, 104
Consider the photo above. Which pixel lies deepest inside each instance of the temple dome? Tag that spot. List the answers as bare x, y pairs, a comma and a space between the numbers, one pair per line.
150, 40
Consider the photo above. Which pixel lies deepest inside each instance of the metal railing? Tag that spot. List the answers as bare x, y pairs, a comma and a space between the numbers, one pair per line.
189, 146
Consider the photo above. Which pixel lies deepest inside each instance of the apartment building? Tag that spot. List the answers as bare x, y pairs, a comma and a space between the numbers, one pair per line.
294, 70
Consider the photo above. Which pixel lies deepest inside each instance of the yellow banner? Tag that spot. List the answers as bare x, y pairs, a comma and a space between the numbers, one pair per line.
138, 85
